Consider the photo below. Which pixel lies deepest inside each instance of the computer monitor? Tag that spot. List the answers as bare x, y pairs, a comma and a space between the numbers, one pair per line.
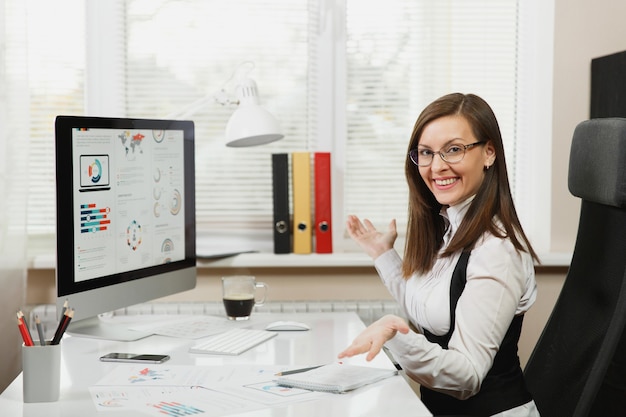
126, 229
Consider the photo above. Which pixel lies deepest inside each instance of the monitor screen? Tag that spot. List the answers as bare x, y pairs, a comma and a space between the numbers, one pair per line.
125, 216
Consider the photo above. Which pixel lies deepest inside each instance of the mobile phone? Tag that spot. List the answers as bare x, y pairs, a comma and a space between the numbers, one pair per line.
133, 357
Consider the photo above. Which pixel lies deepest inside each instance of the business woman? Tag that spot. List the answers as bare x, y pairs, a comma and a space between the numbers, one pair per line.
467, 274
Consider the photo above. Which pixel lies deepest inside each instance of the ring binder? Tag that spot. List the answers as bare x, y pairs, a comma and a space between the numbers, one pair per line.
323, 206
301, 169
280, 189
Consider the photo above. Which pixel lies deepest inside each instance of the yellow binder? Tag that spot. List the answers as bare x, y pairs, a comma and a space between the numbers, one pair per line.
301, 182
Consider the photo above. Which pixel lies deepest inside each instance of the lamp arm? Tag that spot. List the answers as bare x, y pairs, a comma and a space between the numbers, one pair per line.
220, 97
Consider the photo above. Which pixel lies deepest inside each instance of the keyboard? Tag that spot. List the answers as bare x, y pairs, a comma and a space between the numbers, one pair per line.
232, 342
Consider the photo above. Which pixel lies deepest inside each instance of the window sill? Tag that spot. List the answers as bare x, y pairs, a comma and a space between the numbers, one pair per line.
314, 260
334, 260
289, 260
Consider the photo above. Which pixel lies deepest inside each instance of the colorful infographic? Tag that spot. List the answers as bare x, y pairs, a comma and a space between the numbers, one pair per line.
131, 211
94, 171
94, 219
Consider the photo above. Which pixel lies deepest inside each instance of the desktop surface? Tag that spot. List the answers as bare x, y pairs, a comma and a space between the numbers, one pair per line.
330, 333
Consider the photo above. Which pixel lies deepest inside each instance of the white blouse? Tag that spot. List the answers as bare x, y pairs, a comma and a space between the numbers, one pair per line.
500, 284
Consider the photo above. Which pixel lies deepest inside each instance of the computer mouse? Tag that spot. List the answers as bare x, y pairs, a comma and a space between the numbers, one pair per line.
287, 325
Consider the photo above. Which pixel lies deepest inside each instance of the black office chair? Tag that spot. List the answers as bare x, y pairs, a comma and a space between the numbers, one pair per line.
578, 366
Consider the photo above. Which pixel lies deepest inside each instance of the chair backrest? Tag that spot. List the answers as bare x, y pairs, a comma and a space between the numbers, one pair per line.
567, 371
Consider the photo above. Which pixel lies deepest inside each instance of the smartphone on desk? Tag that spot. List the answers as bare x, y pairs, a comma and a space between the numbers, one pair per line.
133, 357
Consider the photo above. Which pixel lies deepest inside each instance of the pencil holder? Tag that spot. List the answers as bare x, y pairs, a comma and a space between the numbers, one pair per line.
41, 373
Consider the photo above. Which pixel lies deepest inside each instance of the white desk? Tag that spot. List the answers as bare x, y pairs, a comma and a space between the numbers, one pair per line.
330, 333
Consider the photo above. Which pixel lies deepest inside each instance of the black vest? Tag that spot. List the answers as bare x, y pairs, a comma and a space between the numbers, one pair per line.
503, 388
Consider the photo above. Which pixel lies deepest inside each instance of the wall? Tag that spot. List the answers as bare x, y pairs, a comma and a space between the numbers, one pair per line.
584, 29
13, 260
13, 283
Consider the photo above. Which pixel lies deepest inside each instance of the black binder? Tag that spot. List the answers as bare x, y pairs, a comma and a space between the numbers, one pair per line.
280, 189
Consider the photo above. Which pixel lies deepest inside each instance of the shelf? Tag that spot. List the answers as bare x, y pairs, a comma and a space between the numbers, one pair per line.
341, 260
290, 260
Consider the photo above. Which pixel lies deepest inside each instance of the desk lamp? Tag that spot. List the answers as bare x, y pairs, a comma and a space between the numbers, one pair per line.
250, 124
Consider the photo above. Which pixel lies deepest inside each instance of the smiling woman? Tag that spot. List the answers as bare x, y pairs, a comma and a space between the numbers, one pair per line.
466, 278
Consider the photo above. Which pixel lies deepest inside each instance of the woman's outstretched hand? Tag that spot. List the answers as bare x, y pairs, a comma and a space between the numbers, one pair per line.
373, 242
372, 339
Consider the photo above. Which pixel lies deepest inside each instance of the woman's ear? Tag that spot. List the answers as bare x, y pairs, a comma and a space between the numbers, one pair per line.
490, 154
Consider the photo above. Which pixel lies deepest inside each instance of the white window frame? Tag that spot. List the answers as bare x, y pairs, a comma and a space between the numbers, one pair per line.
535, 121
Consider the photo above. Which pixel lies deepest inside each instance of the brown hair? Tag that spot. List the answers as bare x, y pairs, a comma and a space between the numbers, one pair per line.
493, 201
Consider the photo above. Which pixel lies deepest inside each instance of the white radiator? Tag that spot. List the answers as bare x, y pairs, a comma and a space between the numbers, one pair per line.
367, 310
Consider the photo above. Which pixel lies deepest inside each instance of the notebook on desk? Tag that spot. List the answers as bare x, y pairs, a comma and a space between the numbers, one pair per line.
337, 378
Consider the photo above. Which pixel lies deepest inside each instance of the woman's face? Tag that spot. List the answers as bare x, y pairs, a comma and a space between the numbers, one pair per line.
452, 183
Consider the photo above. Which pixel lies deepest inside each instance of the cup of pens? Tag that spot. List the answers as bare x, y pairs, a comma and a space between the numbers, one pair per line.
41, 361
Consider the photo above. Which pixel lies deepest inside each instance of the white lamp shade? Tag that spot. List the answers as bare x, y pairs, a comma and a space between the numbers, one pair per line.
250, 124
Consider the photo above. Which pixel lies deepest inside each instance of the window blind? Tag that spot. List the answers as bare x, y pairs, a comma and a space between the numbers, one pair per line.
54, 84
399, 59
178, 52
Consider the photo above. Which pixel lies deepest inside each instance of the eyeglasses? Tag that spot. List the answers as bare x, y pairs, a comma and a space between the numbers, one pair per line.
453, 154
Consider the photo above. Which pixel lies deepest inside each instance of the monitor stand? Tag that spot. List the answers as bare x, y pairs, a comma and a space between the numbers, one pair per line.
95, 328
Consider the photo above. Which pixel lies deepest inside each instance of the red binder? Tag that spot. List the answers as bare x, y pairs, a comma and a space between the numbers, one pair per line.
323, 206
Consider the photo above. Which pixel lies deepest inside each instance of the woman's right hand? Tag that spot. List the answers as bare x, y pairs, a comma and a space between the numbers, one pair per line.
372, 339
373, 242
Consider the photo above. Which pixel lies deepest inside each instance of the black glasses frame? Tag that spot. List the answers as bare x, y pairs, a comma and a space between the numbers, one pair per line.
414, 154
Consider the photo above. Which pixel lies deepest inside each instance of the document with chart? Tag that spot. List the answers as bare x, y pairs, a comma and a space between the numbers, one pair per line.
203, 390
